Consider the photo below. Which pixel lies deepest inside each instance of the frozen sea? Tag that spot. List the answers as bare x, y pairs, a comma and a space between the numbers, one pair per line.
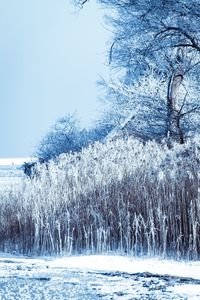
11, 171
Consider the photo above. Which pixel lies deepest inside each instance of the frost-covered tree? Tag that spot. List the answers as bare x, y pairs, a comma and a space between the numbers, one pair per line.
63, 137
148, 109
145, 121
160, 33
67, 136
165, 36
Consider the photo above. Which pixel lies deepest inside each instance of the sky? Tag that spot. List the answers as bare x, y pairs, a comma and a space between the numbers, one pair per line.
51, 57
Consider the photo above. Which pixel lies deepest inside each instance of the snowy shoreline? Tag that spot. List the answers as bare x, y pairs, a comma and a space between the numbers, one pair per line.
112, 263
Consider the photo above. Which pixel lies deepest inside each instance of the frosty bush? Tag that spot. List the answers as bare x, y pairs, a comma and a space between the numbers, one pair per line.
120, 196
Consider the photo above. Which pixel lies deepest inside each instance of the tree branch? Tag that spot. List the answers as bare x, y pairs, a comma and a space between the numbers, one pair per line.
193, 44
82, 3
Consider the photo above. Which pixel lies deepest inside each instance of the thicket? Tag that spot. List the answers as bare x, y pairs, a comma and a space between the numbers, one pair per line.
124, 196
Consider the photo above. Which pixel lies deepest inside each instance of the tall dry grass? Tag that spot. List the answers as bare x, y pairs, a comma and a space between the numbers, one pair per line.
121, 196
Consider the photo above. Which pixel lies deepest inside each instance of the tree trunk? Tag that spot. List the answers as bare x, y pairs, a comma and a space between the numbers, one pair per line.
174, 132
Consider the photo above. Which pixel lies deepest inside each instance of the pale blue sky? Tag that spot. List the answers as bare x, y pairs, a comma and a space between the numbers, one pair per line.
50, 60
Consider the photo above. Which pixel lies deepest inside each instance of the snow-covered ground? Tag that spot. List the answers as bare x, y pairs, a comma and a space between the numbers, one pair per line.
97, 277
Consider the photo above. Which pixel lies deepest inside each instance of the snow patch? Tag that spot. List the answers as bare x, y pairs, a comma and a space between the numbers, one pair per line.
191, 291
130, 265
